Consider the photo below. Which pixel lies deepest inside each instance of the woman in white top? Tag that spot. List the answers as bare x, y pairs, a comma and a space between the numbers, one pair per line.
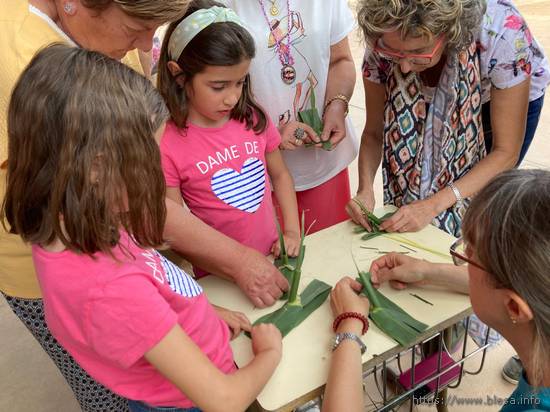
302, 51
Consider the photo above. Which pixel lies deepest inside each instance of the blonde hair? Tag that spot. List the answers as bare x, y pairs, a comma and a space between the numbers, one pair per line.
508, 225
458, 20
160, 10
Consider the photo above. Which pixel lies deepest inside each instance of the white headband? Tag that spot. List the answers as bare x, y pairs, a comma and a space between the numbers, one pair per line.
193, 24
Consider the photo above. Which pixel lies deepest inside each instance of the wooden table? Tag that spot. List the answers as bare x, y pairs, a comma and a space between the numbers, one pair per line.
303, 370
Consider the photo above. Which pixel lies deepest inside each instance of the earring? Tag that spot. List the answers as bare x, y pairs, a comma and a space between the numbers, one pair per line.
68, 8
514, 320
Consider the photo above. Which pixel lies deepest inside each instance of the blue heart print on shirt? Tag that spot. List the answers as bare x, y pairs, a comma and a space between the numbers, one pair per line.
179, 281
245, 190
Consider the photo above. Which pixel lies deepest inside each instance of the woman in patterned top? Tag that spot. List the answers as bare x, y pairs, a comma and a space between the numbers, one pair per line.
453, 88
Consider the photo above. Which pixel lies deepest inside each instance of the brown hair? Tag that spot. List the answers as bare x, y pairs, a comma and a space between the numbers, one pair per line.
508, 225
219, 44
80, 147
160, 10
458, 20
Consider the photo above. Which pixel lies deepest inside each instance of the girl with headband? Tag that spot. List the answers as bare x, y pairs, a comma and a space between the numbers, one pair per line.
220, 150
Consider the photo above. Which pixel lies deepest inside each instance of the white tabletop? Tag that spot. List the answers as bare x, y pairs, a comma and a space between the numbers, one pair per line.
307, 349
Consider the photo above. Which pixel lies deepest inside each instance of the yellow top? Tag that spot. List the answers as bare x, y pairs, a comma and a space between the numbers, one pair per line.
23, 34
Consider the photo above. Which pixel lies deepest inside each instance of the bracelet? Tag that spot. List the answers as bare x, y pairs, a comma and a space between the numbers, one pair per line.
337, 97
456, 192
340, 337
347, 315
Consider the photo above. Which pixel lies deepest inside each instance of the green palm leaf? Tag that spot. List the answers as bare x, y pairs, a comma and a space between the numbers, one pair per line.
290, 315
375, 222
297, 308
388, 316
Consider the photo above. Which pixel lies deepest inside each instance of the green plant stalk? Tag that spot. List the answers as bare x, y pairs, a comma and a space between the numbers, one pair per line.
386, 303
293, 293
287, 271
369, 289
289, 316
283, 255
376, 222
399, 331
389, 317
368, 214
401, 239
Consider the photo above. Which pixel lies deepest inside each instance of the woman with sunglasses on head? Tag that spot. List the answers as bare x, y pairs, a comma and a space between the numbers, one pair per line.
454, 90
506, 241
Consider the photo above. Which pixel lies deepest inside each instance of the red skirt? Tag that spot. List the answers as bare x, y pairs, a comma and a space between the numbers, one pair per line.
324, 205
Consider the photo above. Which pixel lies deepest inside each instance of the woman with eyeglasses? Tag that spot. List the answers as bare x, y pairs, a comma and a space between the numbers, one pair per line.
506, 236
454, 90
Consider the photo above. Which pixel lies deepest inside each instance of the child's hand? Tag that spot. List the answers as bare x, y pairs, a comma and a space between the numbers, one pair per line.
266, 337
236, 321
292, 244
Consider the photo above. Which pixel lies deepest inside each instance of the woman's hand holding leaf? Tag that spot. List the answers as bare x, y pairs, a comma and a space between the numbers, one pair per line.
236, 321
334, 123
262, 282
344, 297
366, 198
288, 137
400, 270
411, 218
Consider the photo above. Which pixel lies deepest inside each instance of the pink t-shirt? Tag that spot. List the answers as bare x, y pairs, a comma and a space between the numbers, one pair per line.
108, 314
222, 176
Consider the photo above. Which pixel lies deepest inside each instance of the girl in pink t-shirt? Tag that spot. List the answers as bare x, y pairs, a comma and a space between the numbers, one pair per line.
220, 151
85, 187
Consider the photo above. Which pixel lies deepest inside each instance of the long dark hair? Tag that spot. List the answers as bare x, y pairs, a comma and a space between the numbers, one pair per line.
82, 158
219, 44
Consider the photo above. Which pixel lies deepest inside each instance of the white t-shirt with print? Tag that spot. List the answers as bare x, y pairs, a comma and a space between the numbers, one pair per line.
315, 26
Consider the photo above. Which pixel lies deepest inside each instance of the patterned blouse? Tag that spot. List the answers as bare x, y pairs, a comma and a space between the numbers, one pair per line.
509, 54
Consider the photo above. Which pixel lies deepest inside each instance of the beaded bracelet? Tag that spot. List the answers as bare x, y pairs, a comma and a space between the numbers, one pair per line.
341, 97
347, 315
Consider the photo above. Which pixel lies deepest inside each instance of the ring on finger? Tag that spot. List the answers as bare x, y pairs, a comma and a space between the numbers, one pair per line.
299, 133
297, 142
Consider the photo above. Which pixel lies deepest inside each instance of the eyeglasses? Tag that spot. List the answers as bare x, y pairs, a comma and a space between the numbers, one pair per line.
416, 59
457, 251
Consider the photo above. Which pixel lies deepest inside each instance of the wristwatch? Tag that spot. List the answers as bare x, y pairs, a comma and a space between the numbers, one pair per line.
339, 338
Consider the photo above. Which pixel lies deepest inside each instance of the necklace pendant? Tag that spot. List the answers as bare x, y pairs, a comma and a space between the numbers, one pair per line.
288, 74
274, 10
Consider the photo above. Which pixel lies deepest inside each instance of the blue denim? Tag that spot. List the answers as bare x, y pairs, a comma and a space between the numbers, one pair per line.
533, 116
137, 406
